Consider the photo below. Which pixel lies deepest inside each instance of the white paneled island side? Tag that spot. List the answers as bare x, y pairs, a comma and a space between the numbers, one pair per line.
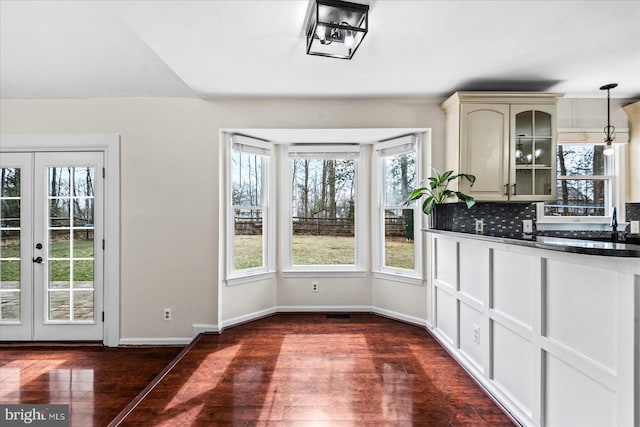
553, 335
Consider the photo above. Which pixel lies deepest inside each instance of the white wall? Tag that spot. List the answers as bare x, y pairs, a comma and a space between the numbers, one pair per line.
169, 192
169, 195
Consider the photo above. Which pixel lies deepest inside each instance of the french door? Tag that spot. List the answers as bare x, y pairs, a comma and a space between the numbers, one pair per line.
51, 254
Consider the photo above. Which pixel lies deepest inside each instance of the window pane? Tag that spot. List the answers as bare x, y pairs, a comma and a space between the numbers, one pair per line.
10, 213
83, 305
10, 244
83, 181
580, 159
323, 211
323, 249
59, 305
398, 238
248, 241
399, 177
9, 182
584, 197
83, 212
59, 179
9, 274
59, 213
83, 243
10, 305
246, 179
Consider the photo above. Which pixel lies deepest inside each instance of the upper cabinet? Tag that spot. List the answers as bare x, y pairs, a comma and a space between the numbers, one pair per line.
507, 140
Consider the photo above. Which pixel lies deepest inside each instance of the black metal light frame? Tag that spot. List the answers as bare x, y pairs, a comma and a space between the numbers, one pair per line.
336, 26
608, 129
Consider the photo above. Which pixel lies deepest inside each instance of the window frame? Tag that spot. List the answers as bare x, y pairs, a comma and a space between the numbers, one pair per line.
238, 276
380, 270
615, 168
289, 269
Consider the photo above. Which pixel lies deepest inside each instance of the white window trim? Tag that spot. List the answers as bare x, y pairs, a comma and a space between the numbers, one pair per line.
233, 276
288, 268
379, 269
365, 138
616, 165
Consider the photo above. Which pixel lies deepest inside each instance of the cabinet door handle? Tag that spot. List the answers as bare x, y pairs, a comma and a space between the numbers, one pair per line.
514, 190
506, 189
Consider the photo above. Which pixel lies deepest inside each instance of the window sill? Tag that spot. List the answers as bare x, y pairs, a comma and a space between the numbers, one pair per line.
398, 277
324, 273
577, 224
239, 280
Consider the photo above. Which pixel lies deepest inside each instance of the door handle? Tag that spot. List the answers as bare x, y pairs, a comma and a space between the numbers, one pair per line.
38, 260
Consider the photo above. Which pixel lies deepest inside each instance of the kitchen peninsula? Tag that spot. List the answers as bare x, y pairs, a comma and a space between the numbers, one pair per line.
549, 326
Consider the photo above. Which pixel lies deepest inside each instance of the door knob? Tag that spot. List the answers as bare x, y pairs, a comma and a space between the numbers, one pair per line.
39, 260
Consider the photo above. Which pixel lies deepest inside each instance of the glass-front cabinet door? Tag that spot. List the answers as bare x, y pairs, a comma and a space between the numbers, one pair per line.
532, 151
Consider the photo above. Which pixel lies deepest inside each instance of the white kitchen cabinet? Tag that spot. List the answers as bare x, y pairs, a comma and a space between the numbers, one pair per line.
507, 140
552, 335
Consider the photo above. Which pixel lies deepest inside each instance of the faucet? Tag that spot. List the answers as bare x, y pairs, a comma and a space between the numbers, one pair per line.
614, 225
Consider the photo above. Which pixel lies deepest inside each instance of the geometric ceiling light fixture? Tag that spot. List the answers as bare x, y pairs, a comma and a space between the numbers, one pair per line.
336, 28
608, 129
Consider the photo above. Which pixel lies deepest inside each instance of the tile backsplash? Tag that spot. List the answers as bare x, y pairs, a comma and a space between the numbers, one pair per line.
505, 219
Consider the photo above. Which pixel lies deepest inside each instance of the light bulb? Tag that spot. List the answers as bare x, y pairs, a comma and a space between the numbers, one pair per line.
321, 33
608, 150
349, 41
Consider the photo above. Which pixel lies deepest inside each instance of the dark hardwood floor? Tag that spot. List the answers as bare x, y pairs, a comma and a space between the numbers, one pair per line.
305, 369
284, 370
97, 382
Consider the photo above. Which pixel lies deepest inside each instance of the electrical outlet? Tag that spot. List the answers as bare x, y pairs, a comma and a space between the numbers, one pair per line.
476, 334
527, 226
479, 226
167, 314
314, 286
635, 227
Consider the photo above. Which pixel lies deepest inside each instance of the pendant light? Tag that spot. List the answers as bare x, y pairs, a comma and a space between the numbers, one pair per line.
608, 129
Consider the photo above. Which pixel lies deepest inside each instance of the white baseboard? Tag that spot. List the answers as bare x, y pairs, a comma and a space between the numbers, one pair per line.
400, 316
315, 309
156, 341
201, 328
247, 317
323, 308
198, 328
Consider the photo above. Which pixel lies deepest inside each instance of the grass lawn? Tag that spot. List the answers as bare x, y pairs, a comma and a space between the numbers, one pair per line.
322, 250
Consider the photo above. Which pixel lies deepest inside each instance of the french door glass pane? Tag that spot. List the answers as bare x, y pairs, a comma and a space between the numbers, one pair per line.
59, 213
10, 216
59, 179
83, 305
10, 305
398, 239
71, 244
10, 288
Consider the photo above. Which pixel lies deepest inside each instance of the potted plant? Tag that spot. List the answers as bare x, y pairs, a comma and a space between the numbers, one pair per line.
437, 193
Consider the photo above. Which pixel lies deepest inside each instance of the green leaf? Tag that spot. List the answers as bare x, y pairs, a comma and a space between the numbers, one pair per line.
429, 205
470, 201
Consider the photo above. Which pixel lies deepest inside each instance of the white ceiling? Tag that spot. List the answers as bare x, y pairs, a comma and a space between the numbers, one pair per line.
230, 49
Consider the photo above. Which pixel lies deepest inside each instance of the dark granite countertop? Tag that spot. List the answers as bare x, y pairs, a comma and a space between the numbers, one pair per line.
587, 247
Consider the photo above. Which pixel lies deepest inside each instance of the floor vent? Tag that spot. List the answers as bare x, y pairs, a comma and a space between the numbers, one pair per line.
338, 316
